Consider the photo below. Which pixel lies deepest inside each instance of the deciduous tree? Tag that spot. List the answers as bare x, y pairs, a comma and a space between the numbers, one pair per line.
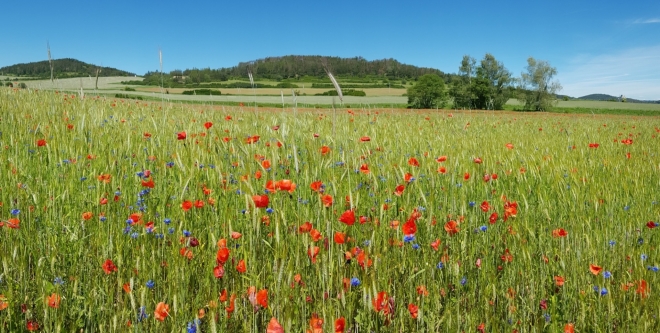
537, 90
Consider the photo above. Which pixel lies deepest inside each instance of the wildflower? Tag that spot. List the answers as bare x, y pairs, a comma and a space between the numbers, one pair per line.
162, 311
348, 217
260, 201
340, 324
355, 282
54, 300
413, 309
181, 136
274, 326
595, 269
151, 284
607, 274
559, 233
109, 267
463, 281
41, 142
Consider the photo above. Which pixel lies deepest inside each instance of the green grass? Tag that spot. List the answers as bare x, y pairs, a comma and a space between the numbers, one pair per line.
602, 198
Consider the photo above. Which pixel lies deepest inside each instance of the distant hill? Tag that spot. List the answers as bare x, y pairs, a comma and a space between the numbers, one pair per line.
62, 68
605, 97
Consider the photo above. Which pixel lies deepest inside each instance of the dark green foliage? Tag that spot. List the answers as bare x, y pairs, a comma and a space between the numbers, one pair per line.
9, 84
487, 86
22, 85
428, 92
129, 89
62, 68
127, 96
204, 92
363, 86
292, 69
347, 92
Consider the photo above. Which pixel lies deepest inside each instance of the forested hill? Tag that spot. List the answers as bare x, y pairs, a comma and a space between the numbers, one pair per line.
62, 68
294, 67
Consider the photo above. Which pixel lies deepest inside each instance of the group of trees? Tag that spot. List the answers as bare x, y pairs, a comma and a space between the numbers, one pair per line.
489, 86
62, 68
294, 68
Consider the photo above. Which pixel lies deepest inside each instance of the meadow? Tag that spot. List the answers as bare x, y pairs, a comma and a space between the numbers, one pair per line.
132, 216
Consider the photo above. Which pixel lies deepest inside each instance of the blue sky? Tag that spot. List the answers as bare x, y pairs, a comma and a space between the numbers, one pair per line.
597, 46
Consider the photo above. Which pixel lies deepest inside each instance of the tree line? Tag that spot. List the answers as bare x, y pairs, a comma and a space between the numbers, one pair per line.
488, 86
62, 68
294, 68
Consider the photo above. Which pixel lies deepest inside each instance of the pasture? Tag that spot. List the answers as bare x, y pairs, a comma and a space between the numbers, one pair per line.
123, 215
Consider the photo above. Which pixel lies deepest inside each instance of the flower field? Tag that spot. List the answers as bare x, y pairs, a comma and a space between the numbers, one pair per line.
125, 216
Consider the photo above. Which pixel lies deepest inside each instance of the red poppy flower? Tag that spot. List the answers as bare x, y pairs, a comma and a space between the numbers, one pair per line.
340, 325
569, 328
507, 256
509, 146
451, 227
398, 191
54, 300
408, 177
305, 228
510, 209
252, 139
230, 308
435, 244
146, 135
186, 205
312, 252
441, 159
413, 162
32, 325
340, 237
478, 160
208, 124
651, 225
348, 217
559, 280
181, 136
410, 227
240, 267
559, 233
219, 271
485, 206
262, 298
109, 267
324, 150
364, 168
442, 170
466, 176
148, 183
316, 235
260, 201
595, 269
316, 186
316, 324
365, 139
326, 200
413, 309
162, 311
642, 289
222, 256
274, 326
593, 145
41, 142
493, 218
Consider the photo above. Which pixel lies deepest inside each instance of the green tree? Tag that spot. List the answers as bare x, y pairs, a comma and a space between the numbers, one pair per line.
428, 92
537, 90
492, 84
461, 85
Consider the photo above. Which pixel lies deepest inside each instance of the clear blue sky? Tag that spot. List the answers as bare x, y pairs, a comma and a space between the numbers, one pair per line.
597, 46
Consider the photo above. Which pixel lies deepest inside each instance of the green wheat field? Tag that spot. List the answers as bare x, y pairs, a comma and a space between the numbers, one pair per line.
147, 216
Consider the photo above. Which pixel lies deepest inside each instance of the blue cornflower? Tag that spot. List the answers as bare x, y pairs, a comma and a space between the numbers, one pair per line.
170, 164
366, 243
463, 281
612, 243
415, 246
15, 211
626, 208
167, 221
440, 265
472, 203
191, 327
103, 218
58, 281
170, 230
143, 314
607, 274
653, 268
547, 317
186, 233
355, 282
151, 284
483, 228
135, 235
603, 291
127, 230
408, 238
82, 179
644, 256
269, 210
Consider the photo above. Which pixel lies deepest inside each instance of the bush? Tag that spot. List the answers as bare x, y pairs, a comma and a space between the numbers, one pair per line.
126, 96
347, 92
202, 92
9, 84
129, 89
22, 85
